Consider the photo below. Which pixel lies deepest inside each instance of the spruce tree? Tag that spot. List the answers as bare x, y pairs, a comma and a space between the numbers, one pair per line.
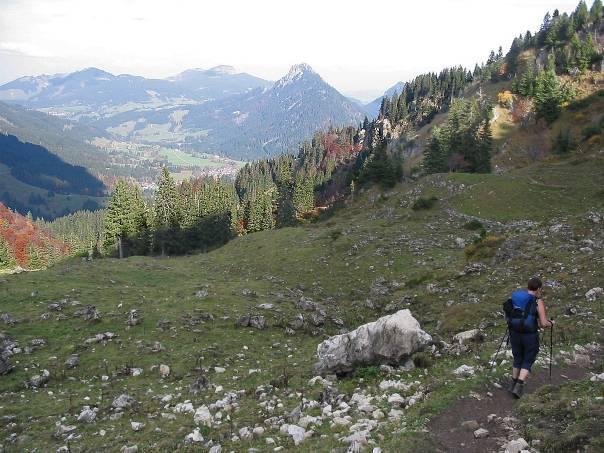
581, 15
548, 96
118, 220
596, 11
7, 259
167, 214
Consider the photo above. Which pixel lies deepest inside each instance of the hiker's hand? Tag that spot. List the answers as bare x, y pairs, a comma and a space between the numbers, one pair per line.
551, 323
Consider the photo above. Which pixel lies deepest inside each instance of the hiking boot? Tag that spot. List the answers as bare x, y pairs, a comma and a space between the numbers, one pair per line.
518, 389
511, 385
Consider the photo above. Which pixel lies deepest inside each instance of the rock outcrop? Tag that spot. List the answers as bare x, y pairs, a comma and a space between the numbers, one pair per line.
390, 339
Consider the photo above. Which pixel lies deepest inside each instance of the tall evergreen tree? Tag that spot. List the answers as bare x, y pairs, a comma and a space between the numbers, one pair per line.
125, 218
548, 96
595, 12
7, 259
167, 214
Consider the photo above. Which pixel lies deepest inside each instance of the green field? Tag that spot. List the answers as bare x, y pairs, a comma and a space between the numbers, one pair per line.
180, 158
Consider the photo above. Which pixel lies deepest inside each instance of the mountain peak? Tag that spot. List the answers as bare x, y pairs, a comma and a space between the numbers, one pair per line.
296, 72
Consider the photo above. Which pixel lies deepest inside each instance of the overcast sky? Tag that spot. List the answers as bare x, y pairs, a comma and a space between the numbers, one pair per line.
360, 47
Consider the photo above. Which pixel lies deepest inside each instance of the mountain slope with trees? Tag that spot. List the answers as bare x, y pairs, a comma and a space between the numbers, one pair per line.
26, 245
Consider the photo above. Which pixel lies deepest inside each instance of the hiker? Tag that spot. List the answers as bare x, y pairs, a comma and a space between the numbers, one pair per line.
525, 314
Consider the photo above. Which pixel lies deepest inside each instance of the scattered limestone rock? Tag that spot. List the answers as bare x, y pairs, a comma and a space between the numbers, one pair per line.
87, 415
5, 365
195, 436
201, 384
101, 337
124, 401
389, 339
183, 408
90, 313
245, 433
464, 371
516, 446
39, 380
470, 425
8, 319
64, 429
297, 433
203, 416
201, 294
72, 361
481, 433
593, 294
255, 321
137, 426
126, 449
474, 335
164, 371
132, 318
296, 323
597, 378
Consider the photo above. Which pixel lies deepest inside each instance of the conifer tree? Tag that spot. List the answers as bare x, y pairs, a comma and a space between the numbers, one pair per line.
123, 218
435, 158
596, 11
581, 15
548, 96
167, 213
7, 259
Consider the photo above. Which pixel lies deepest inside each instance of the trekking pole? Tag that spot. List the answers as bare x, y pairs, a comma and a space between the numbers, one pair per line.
551, 349
498, 349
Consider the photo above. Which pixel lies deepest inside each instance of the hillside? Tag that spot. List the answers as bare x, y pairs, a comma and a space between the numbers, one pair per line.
377, 255
24, 245
68, 140
37, 181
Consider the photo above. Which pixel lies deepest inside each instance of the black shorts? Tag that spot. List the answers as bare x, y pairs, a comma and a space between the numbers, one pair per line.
525, 347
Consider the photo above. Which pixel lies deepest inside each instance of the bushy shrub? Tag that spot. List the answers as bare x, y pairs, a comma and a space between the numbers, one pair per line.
424, 203
485, 247
474, 225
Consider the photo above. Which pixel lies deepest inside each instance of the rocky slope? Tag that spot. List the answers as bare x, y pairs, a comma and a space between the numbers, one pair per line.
219, 349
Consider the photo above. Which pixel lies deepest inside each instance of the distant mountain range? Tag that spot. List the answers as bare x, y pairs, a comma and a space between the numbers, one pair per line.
373, 108
218, 110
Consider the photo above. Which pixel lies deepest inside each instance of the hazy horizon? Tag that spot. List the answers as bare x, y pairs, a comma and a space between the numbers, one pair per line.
360, 50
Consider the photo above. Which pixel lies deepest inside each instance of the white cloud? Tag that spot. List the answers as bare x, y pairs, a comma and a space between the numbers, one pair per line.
24, 49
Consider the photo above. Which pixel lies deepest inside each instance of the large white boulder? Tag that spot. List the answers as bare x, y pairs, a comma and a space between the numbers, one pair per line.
390, 339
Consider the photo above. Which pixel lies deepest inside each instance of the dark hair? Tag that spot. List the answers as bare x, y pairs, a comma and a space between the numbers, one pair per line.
534, 284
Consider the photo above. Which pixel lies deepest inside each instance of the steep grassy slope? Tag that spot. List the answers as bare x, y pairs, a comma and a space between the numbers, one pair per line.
374, 256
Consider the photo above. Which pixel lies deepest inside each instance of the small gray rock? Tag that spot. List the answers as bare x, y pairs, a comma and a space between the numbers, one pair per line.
72, 361
481, 433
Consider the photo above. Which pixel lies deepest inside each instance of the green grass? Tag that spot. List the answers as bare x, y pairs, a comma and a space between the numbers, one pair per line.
567, 418
335, 262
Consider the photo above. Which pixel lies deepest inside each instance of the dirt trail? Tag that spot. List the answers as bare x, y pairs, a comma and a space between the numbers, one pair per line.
449, 434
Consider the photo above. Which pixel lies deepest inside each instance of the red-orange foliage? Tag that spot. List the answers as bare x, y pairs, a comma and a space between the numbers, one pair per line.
338, 150
21, 235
